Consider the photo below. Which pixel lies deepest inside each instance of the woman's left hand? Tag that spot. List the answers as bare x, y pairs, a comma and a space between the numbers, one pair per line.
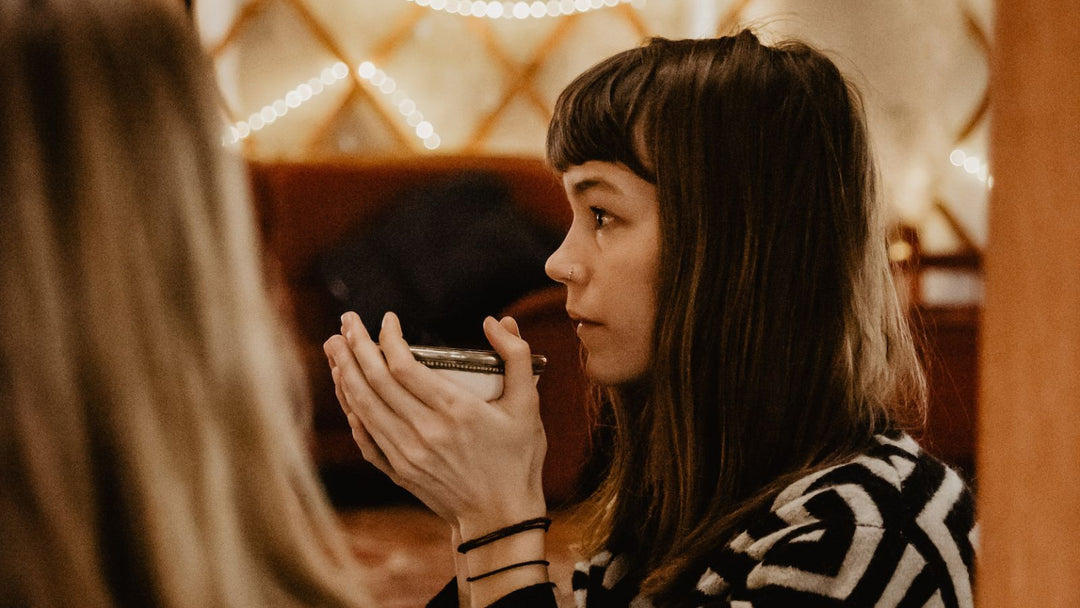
477, 464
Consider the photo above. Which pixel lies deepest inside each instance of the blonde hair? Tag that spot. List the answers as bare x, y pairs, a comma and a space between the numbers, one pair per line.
151, 452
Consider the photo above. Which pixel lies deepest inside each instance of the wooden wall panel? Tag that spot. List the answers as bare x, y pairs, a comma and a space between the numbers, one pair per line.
1029, 453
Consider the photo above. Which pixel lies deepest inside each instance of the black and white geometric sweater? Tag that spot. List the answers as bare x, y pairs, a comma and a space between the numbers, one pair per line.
893, 527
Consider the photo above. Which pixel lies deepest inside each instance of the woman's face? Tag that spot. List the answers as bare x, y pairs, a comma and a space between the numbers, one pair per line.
613, 250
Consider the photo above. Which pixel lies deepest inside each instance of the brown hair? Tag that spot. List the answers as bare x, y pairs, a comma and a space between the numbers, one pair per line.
780, 344
150, 451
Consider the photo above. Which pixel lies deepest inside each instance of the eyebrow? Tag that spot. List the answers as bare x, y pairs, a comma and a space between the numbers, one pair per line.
580, 187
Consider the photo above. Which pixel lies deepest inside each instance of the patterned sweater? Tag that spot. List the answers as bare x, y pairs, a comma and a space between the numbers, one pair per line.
893, 527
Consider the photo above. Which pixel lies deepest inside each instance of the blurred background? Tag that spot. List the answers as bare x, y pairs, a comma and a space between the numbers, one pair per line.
304, 79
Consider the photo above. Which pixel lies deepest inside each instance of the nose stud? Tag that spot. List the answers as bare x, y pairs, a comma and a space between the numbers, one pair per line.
570, 275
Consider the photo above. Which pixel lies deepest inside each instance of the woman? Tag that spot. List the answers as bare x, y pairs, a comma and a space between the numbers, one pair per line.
726, 270
151, 453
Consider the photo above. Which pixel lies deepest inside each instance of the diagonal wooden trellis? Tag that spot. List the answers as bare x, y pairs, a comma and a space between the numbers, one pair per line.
520, 75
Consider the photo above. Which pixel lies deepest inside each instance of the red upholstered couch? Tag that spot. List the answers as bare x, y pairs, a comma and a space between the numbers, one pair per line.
306, 208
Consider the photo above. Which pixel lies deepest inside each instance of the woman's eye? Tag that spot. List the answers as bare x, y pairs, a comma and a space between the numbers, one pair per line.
601, 216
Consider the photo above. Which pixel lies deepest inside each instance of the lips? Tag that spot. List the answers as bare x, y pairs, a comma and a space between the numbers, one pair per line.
580, 319
582, 324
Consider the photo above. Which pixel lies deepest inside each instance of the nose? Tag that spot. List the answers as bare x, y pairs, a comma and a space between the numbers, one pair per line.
557, 266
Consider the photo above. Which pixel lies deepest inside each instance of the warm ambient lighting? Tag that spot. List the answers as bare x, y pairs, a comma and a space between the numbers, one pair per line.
329, 77
973, 166
520, 10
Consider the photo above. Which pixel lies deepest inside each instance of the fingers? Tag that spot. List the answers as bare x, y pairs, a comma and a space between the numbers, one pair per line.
506, 340
335, 374
423, 383
383, 425
510, 323
370, 450
382, 372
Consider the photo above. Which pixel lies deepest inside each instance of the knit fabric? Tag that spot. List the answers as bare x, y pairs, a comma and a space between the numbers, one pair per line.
893, 527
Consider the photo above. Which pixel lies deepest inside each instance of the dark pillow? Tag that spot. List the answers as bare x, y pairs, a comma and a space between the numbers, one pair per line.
442, 256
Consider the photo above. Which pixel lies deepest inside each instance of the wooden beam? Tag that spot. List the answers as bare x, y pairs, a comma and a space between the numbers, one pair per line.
1029, 428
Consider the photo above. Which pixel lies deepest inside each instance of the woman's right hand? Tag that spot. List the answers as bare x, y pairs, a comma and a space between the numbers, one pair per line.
476, 464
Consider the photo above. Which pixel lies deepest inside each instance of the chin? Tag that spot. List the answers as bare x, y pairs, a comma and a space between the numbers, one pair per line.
613, 371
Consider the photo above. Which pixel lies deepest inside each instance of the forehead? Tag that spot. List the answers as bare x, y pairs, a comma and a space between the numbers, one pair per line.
601, 175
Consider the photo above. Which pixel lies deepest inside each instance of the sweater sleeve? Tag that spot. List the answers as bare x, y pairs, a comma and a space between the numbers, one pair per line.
541, 595
447, 597
808, 566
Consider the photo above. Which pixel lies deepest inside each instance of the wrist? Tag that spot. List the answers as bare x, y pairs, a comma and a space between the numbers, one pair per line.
516, 561
472, 526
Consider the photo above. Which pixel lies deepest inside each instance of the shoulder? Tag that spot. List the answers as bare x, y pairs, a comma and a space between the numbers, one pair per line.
890, 522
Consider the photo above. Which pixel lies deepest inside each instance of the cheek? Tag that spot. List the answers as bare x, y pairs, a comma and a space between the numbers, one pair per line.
635, 308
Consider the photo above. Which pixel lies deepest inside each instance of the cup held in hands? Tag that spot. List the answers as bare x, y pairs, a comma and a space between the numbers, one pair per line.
480, 371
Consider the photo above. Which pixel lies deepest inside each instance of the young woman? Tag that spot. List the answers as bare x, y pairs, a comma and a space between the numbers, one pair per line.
727, 273
151, 452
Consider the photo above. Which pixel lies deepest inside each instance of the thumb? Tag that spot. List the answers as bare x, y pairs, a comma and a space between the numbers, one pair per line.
506, 340
511, 325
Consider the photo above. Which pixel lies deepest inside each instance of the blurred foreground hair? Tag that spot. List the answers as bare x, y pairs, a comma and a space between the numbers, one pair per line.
151, 453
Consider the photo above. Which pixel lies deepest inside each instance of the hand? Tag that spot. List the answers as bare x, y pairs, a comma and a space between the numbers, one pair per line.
476, 464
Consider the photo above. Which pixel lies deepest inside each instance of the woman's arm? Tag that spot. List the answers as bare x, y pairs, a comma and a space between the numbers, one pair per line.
476, 464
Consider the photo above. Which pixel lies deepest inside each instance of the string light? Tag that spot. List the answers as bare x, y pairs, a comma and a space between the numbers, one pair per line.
328, 77
972, 165
405, 106
520, 9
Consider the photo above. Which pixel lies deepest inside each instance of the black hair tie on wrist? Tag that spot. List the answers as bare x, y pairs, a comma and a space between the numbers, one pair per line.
535, 562
529, 524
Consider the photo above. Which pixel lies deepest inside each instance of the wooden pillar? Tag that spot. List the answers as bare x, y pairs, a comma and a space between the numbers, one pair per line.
1029, 441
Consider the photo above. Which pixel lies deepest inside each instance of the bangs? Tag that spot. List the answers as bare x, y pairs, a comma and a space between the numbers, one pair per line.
606, 114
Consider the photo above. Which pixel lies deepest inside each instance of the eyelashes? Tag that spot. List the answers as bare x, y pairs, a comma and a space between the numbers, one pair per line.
601, 216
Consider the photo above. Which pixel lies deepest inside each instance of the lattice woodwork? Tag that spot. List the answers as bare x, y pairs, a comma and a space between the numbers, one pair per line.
519, 75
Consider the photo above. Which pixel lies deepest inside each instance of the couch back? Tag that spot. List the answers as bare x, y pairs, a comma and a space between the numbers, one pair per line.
305, 207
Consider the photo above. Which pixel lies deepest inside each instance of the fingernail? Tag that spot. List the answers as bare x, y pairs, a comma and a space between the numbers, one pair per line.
391, 318
348, 335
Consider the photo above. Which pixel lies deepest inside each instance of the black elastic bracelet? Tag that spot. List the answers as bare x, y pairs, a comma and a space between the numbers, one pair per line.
528, 524
535, 562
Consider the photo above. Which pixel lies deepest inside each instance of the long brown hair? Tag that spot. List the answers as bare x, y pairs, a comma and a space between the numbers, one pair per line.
780, 343
150, 448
